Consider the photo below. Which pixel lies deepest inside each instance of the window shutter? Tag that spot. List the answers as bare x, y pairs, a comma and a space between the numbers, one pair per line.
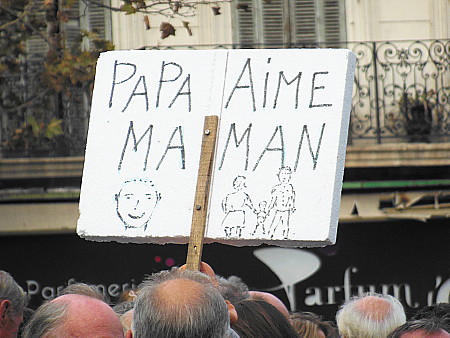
72, 26
305, 22
245, 31
334, 23
96, 22
277, 23
272, 23
36, 46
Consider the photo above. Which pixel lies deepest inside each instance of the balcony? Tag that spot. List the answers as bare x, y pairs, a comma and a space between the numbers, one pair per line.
398, 153
399, 116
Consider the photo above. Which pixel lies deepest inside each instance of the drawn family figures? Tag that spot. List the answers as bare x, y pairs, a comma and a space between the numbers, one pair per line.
283, 201
280, 208
233, 205
261, 215
135, 202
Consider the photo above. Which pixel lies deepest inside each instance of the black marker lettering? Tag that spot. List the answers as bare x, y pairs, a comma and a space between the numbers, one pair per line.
250, 85
114, 83
181, 147
298, 78
188, 81
134, 93
237, 143
313, 88
315, 156
135, 144
279, 130
266, 81
162, 80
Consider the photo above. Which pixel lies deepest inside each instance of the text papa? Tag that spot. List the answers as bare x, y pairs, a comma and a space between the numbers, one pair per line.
172, 86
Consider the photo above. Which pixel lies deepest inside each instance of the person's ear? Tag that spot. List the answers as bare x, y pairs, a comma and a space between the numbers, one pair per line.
232, 313
129, 334
4, 306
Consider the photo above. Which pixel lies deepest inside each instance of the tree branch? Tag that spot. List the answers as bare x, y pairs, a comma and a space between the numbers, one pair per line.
20, 18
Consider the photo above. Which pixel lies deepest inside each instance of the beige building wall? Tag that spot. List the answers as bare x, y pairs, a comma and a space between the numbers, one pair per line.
129, 31
366, 20
382, 20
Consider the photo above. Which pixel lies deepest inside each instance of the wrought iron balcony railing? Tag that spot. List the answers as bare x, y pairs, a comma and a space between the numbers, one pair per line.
401, 94
401, 91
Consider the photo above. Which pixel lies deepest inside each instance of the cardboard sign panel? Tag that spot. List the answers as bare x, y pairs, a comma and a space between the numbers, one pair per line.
280, 153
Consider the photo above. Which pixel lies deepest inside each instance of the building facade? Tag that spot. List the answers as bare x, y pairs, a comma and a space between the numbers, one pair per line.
396, 194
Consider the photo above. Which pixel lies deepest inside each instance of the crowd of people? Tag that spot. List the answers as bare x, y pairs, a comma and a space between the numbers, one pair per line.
188, 304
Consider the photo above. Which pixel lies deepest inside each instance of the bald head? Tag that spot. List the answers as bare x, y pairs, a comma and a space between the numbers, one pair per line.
424, 334
371, 315
75, 316
374, 308
432, 327
89, 316
184, 292
179, 303
271, 299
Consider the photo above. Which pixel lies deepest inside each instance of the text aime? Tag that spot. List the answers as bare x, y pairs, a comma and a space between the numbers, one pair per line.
137, 87
173, 84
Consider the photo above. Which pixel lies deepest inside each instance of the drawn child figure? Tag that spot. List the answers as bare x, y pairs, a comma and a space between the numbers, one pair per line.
283, 201
261, 215
135, 202
234, 206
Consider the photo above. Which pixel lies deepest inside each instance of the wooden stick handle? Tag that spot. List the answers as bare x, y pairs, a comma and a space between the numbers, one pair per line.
200, 210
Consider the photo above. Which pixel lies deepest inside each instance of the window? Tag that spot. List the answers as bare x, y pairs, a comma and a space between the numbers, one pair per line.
289, 23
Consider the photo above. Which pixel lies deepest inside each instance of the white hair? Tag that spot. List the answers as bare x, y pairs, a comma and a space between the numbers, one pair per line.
363, 319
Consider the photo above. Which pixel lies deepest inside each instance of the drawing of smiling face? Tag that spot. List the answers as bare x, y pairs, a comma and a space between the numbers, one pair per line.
135, 203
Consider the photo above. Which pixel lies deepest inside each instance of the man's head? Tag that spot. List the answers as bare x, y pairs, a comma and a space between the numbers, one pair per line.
84, 290
12, 302
233, 289
74, 315
440, 311
421, 328
136, 201
285, 174
271, 299
371, 315
180, 303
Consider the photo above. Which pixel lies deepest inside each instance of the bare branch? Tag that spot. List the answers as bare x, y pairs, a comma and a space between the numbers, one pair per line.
168, 8
26, 103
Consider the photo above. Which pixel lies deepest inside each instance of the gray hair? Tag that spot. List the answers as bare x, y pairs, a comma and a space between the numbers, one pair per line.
233, 289
428, 325
205, 314
50, 316
123, 307
47, 318
362, 319
10, 290
84, 289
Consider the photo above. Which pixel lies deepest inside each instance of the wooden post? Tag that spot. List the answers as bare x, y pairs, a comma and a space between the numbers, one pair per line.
200, 209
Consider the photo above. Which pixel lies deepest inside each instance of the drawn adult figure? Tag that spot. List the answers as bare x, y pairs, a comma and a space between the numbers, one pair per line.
136, 202
233, 206
283, 201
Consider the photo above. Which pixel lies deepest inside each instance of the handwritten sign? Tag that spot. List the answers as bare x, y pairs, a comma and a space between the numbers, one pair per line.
280, 155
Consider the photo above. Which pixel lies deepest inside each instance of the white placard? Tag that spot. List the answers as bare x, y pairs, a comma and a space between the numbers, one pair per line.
279, 163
